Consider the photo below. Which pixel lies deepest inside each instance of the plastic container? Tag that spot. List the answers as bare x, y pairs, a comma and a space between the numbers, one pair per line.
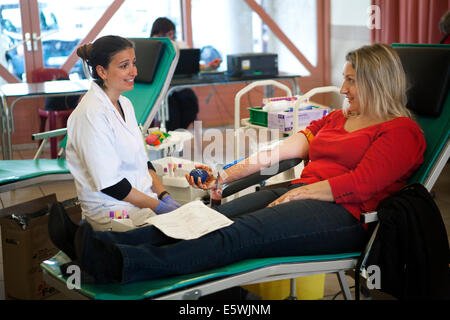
173, 178
307, 288
278, 104
258, 116
300, 104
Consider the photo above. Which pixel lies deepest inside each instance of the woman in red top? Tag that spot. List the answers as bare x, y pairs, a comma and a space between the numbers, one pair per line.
357, 156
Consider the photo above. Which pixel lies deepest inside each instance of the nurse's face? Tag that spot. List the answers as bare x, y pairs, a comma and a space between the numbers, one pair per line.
349, 88
120, 73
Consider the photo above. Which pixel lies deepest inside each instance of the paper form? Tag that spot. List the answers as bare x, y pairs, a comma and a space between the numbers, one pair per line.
190, 221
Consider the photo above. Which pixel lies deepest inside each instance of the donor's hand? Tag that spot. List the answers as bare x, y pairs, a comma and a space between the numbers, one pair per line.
318, 191
209, 182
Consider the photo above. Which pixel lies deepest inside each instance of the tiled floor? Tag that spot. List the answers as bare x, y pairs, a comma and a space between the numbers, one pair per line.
66, 190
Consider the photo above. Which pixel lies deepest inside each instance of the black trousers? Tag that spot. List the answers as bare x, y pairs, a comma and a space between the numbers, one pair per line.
183, 109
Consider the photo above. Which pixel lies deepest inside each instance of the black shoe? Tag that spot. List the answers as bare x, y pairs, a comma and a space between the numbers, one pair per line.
102, 260
62, 229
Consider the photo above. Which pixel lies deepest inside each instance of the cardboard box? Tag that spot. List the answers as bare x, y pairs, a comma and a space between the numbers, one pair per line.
284, 120
25, 247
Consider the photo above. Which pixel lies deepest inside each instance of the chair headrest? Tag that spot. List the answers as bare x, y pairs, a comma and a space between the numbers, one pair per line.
148, 54
428, 75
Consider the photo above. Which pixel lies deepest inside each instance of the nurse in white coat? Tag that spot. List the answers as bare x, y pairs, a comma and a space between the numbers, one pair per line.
105, 149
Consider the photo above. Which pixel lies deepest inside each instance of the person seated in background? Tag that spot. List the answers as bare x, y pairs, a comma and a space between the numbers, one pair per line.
163, 27
210, 59
183, 103
357, 156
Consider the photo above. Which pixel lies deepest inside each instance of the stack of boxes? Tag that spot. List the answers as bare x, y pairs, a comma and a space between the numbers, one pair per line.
284, 120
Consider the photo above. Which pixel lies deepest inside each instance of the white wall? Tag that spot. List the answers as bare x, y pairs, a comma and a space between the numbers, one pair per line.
348, 32
349, 12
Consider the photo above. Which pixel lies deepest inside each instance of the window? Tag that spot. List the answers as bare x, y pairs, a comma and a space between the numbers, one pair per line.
298, 20
11, 51
228, 32
238, 29
135, 18
63, 25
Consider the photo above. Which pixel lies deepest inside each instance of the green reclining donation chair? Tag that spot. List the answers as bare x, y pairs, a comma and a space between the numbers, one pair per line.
156, 61
427, 70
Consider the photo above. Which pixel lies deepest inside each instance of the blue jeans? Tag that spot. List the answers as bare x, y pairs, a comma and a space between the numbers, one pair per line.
295, 228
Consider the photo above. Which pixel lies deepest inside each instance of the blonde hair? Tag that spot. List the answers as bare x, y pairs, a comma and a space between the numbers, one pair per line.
380, 80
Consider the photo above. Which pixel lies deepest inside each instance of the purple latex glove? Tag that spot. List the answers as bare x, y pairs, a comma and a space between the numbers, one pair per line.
169, 201
163, 207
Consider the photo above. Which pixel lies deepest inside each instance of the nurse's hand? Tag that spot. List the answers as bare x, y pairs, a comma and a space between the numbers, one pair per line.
163, 207
169, 201
209, 182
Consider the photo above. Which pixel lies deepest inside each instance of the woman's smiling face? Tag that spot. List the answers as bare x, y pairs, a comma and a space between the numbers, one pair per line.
349, 88
120, 74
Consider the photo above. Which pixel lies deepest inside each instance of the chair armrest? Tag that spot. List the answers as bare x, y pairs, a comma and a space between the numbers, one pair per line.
257, 177
49, 134
44, 136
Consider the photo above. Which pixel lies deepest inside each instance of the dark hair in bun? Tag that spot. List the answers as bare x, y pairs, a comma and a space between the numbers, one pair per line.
84, 50
101, 52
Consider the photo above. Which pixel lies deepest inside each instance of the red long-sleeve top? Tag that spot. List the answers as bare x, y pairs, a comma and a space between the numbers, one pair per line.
363, 166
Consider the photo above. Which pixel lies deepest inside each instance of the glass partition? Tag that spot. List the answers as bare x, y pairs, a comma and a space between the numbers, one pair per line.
63, 25
216, 23
238, 29
11, 45
134, 18
298, 21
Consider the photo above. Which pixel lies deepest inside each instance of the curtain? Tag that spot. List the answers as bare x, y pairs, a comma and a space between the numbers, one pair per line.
409, 21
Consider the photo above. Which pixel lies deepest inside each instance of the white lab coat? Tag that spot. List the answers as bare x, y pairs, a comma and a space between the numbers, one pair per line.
102, 149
